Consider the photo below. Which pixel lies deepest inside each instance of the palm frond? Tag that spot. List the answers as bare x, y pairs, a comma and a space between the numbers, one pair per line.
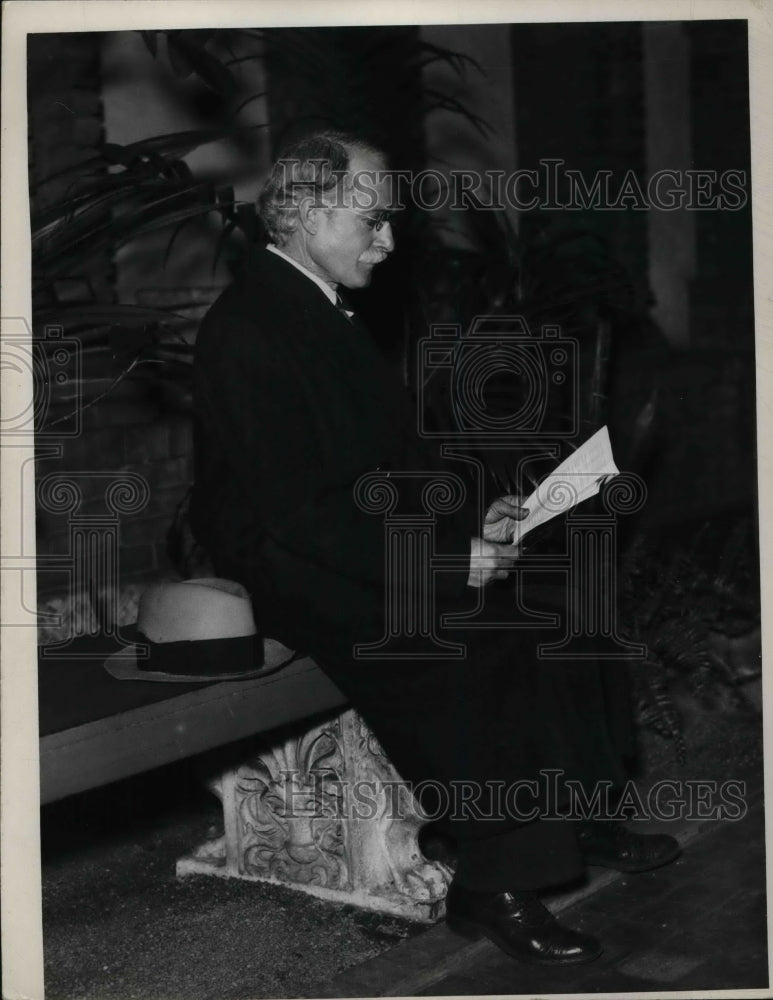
95, 315
188, 56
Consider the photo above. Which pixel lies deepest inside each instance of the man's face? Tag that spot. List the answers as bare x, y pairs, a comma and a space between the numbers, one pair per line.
347, 246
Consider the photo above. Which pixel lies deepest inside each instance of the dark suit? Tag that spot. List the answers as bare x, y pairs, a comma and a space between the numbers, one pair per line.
294, 404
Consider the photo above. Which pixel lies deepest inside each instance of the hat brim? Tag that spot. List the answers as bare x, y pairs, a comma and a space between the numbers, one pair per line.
122, 665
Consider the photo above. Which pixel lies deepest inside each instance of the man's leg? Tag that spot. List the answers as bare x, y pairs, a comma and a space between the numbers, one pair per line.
495, 887
608, 844
531, 857
498, 718
495, 893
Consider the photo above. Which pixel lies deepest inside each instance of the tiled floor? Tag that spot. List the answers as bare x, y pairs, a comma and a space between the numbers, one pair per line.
697, 924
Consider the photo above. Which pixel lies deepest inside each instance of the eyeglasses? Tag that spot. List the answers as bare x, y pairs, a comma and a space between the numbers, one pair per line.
375, 222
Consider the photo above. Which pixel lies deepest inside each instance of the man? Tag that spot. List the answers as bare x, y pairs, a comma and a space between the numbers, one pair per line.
294, 405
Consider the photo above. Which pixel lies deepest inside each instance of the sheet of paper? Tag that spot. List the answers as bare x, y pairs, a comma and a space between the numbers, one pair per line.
577, 478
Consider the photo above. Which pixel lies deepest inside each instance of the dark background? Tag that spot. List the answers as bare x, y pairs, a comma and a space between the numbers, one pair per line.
613, 96
670, 292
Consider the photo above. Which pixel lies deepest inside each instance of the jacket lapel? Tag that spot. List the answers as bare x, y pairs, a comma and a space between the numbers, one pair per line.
358, 396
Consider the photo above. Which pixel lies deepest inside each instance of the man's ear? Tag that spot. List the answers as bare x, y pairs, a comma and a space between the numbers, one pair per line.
308, 215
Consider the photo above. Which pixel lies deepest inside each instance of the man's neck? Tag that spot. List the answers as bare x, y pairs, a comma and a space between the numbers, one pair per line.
287, 253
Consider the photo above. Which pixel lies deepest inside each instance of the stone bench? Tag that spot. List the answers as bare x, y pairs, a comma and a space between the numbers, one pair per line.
314, 804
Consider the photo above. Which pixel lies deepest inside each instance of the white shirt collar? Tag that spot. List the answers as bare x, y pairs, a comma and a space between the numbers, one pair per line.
330, 292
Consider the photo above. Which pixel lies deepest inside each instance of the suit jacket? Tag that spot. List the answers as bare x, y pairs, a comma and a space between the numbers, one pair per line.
293, 404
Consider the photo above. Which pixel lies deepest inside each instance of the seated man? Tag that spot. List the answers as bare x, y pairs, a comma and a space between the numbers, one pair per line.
294, 405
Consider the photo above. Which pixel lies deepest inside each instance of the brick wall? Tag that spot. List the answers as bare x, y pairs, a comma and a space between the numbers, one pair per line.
126, 434
140, 431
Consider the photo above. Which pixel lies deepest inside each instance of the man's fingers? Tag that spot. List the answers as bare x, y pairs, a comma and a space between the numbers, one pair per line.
508, 507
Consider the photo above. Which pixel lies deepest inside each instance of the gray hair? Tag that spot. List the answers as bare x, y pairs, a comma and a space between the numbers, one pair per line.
314, 165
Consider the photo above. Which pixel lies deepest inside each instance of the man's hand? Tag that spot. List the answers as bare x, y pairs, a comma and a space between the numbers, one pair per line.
501, 518
490, 561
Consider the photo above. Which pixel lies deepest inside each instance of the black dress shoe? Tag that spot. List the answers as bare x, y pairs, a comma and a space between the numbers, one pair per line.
519, 924
607, 843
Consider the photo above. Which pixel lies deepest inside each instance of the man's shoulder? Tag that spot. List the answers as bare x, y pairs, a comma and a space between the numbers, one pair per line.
267, 290
269, 312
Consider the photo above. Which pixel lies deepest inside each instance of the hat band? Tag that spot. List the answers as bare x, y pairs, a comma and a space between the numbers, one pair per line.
201, 656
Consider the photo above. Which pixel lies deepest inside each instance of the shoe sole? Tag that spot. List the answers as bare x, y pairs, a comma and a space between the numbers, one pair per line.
620, 866
473, 932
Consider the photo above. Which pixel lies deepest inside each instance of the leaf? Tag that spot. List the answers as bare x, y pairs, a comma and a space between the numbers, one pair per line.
177, 143
226, 198
458, 60
79, 168
178, 58
149, 38
435, 100
100, 314
175, 369
245, 102
79, 240
113, 152
180, 349
237, 60
92, 402
72, 211
221, 242
188, 57
153, 225
170, 244
76, 239
130, 340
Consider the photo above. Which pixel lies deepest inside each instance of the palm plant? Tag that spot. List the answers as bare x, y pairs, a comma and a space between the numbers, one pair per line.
678, 610
124, 193
147, 188
114, 199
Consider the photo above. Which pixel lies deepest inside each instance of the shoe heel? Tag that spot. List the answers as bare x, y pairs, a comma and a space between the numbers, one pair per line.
464, 928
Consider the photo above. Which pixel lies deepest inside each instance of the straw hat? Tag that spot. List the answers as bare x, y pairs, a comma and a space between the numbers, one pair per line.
196, 631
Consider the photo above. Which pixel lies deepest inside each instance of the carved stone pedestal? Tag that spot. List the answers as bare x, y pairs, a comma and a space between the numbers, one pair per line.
325, 812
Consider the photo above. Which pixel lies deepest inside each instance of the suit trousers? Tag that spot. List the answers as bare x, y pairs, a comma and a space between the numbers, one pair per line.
491, 743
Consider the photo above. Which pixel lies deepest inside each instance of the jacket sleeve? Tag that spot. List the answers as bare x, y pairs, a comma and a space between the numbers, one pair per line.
248, 395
